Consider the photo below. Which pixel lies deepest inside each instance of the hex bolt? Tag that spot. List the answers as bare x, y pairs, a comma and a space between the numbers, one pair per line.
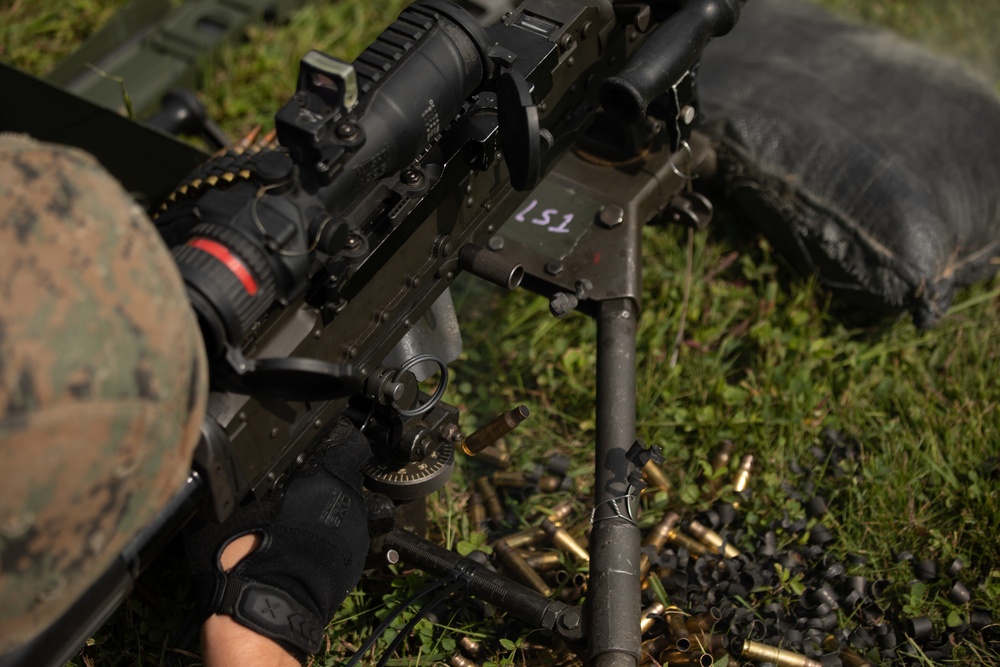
411, 177
495, 243
611, 215
553, 267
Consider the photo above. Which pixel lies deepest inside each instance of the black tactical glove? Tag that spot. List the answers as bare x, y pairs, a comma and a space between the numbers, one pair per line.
314, 540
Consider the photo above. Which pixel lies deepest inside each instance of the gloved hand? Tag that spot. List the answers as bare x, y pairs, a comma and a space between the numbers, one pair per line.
313, 544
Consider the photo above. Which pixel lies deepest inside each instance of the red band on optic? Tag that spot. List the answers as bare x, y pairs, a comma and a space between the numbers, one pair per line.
232, 262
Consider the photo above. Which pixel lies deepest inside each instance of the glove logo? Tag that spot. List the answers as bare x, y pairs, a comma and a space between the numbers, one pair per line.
335, 510
268, 606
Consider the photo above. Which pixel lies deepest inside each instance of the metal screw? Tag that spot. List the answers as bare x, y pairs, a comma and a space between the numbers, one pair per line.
611, 215
688, 113
411, 177
347, 131
352, 242
495, 243
553, 267
566, 42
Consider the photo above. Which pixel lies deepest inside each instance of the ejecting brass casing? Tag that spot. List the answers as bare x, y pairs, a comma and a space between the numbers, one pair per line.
563, 540
495, 430
743, 474
780, 657
493, 505
655, 476
515, 563
712, 539
544, 560
650, 615
656, 538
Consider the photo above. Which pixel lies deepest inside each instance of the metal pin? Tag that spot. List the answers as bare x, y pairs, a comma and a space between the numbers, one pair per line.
656, 538
563, 540
780, 657
495, 430
493, 505
515, 563
714, 541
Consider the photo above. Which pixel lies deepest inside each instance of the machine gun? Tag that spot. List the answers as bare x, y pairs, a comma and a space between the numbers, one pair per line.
311, 265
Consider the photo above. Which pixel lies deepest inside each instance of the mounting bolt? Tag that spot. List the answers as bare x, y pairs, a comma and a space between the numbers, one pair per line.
411, 177
553, 267
495, 243
570, 619
611, 215
347, 131
687, 114
562, 304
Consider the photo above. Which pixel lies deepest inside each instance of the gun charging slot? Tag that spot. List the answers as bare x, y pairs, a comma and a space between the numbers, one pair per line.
495, 430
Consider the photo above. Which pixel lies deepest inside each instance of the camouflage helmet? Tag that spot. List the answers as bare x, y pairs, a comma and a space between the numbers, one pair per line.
102, 379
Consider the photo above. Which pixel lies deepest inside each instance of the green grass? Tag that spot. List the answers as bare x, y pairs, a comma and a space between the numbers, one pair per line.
763, 361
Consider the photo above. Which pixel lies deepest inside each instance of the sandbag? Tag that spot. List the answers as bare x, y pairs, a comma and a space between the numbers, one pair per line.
862, 157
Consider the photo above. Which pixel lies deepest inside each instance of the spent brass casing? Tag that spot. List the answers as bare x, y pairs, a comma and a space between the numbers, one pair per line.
655, 476
526, 538
779, 656
560, 512
513, 478
651, 615
712, 539
493, 505
545, 560
459, 660
550, 483
561, 539
477, 511
686, 659
470, 647
515, 563
680, 539
720, 461
494, 456
743, 474
495, 430
652, 648
705, 620
677, 628
717, 644
656, 538
723, 454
